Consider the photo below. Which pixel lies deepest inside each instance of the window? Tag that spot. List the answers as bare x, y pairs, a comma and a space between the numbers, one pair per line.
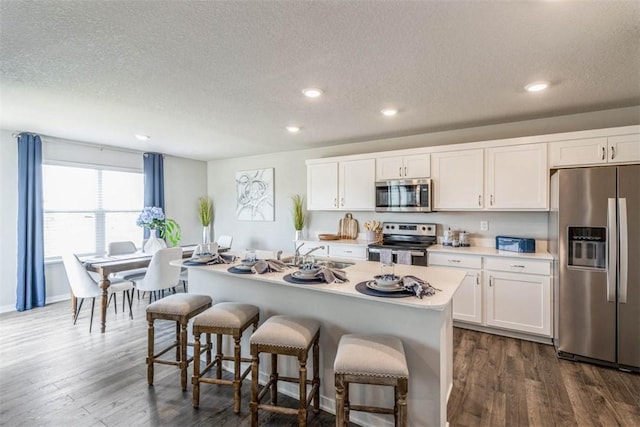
86, 207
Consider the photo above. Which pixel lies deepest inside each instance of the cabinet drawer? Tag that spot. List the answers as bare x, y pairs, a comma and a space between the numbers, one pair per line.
455, 260
348, 251
518, 265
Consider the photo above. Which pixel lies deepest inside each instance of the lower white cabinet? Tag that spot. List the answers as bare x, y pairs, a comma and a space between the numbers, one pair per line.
348, 251
467, 302
519, 302
501, 292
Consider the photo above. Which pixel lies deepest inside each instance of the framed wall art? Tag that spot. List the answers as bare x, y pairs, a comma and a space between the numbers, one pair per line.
254, 195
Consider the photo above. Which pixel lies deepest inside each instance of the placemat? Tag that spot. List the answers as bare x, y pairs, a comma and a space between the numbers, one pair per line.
239, 271
363, 289
289, 278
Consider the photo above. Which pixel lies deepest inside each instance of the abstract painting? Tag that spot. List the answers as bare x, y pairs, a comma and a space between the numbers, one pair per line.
254, 190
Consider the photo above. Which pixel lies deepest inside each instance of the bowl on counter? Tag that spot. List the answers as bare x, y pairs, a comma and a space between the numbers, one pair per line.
308, 270
390, 280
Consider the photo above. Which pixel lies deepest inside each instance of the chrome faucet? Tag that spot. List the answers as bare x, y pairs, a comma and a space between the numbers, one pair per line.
314, 249
296, 257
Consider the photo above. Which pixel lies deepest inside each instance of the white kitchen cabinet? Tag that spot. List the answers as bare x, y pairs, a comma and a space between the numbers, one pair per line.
595, 151
344, 185
403, 167
517, 177
458, 180
519, 302
322, 186
339, 250
467, 301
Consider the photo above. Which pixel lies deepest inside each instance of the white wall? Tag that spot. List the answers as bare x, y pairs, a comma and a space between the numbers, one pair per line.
290, 178
185, 181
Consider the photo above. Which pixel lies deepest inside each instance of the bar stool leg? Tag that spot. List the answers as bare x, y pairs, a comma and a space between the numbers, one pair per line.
274, 379
339, 400
316, 375
347, 408
195, 379
302, 408
236, 376
254, 386
208, 352
218, 356
183, 354
178, 341
150, 359
403, 387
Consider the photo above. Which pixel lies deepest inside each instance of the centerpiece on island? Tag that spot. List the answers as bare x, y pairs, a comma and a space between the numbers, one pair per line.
153, 218
297, 211
205, 215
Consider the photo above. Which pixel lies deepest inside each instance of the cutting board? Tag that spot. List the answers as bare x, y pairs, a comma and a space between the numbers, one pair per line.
348, 227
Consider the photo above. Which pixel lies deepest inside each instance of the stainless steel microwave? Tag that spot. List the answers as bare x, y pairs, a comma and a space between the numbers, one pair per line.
403, 195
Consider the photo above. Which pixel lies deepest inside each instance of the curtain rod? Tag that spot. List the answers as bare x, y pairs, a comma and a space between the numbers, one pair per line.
82, 143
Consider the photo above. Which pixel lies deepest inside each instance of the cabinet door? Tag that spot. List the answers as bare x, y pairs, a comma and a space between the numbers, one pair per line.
588, 151
322, 186
389, 168
458, 180
624, 148
520, 302
517, 177
417, 166
348, 251
467, 301
357, 185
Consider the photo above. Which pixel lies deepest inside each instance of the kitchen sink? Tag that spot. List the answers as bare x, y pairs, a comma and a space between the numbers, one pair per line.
337, 264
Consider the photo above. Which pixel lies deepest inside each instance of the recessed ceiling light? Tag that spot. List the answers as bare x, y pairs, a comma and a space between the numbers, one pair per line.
536, 86
312, 92
389, 112
293, 129
141, 137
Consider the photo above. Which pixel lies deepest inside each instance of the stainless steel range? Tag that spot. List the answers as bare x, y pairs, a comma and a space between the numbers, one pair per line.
409, 237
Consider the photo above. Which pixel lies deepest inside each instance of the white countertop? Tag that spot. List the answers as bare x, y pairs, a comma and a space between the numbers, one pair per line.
487, 251
445, 279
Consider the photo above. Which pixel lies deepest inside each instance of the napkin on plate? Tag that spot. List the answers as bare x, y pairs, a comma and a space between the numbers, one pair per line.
268, 266
217, 259
418, 286
332, 275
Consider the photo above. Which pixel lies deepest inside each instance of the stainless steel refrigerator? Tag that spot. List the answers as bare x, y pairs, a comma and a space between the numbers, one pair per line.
594, 230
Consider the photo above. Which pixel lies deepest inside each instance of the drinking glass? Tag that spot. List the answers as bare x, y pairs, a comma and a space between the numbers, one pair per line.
387, 270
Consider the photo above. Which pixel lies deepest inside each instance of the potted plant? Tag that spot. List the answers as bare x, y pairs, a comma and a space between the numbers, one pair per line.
297, 212
205, 215
154, 219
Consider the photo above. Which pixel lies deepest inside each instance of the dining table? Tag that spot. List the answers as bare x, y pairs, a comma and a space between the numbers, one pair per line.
106, 265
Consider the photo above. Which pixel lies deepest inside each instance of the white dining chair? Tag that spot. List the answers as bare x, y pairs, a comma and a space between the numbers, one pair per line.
83, 285
125, 247
224, 242
160, 275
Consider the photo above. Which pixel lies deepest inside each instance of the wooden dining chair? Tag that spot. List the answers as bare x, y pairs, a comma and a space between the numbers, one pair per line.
83, 285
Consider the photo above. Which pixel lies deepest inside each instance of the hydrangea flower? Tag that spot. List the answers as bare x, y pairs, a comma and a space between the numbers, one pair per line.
153, 218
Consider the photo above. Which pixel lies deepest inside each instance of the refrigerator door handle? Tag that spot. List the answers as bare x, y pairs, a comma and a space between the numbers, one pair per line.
624, 249
613, 244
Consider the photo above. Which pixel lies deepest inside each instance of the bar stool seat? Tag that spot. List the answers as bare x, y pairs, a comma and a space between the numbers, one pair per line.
225, 318
179, 308
371, 359
290, 336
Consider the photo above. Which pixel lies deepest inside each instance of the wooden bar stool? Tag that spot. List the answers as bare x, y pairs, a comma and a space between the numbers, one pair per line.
179, 308
290, 336
371, 359
225, 318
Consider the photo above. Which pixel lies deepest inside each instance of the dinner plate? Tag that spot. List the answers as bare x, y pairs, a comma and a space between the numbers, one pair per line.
300, 276
201, 260
242, 267
371, 284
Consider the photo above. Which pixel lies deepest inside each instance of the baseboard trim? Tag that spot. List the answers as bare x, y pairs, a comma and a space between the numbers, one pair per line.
50, 300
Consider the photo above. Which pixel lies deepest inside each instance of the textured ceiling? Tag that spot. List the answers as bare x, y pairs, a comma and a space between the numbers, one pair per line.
216, 79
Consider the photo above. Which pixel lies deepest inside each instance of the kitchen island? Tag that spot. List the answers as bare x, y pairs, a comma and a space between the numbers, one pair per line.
424, 326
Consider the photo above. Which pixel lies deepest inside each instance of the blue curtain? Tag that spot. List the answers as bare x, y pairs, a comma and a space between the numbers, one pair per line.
30, 290
153, 182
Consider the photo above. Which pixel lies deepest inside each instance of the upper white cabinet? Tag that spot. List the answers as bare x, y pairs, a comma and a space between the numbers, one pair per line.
341, 185
517, 177
458, 178
594, 151
403, 167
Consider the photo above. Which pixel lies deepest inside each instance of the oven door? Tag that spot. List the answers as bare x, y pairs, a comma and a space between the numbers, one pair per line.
418, 257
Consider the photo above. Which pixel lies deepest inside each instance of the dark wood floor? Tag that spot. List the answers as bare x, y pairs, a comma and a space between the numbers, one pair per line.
53, 373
